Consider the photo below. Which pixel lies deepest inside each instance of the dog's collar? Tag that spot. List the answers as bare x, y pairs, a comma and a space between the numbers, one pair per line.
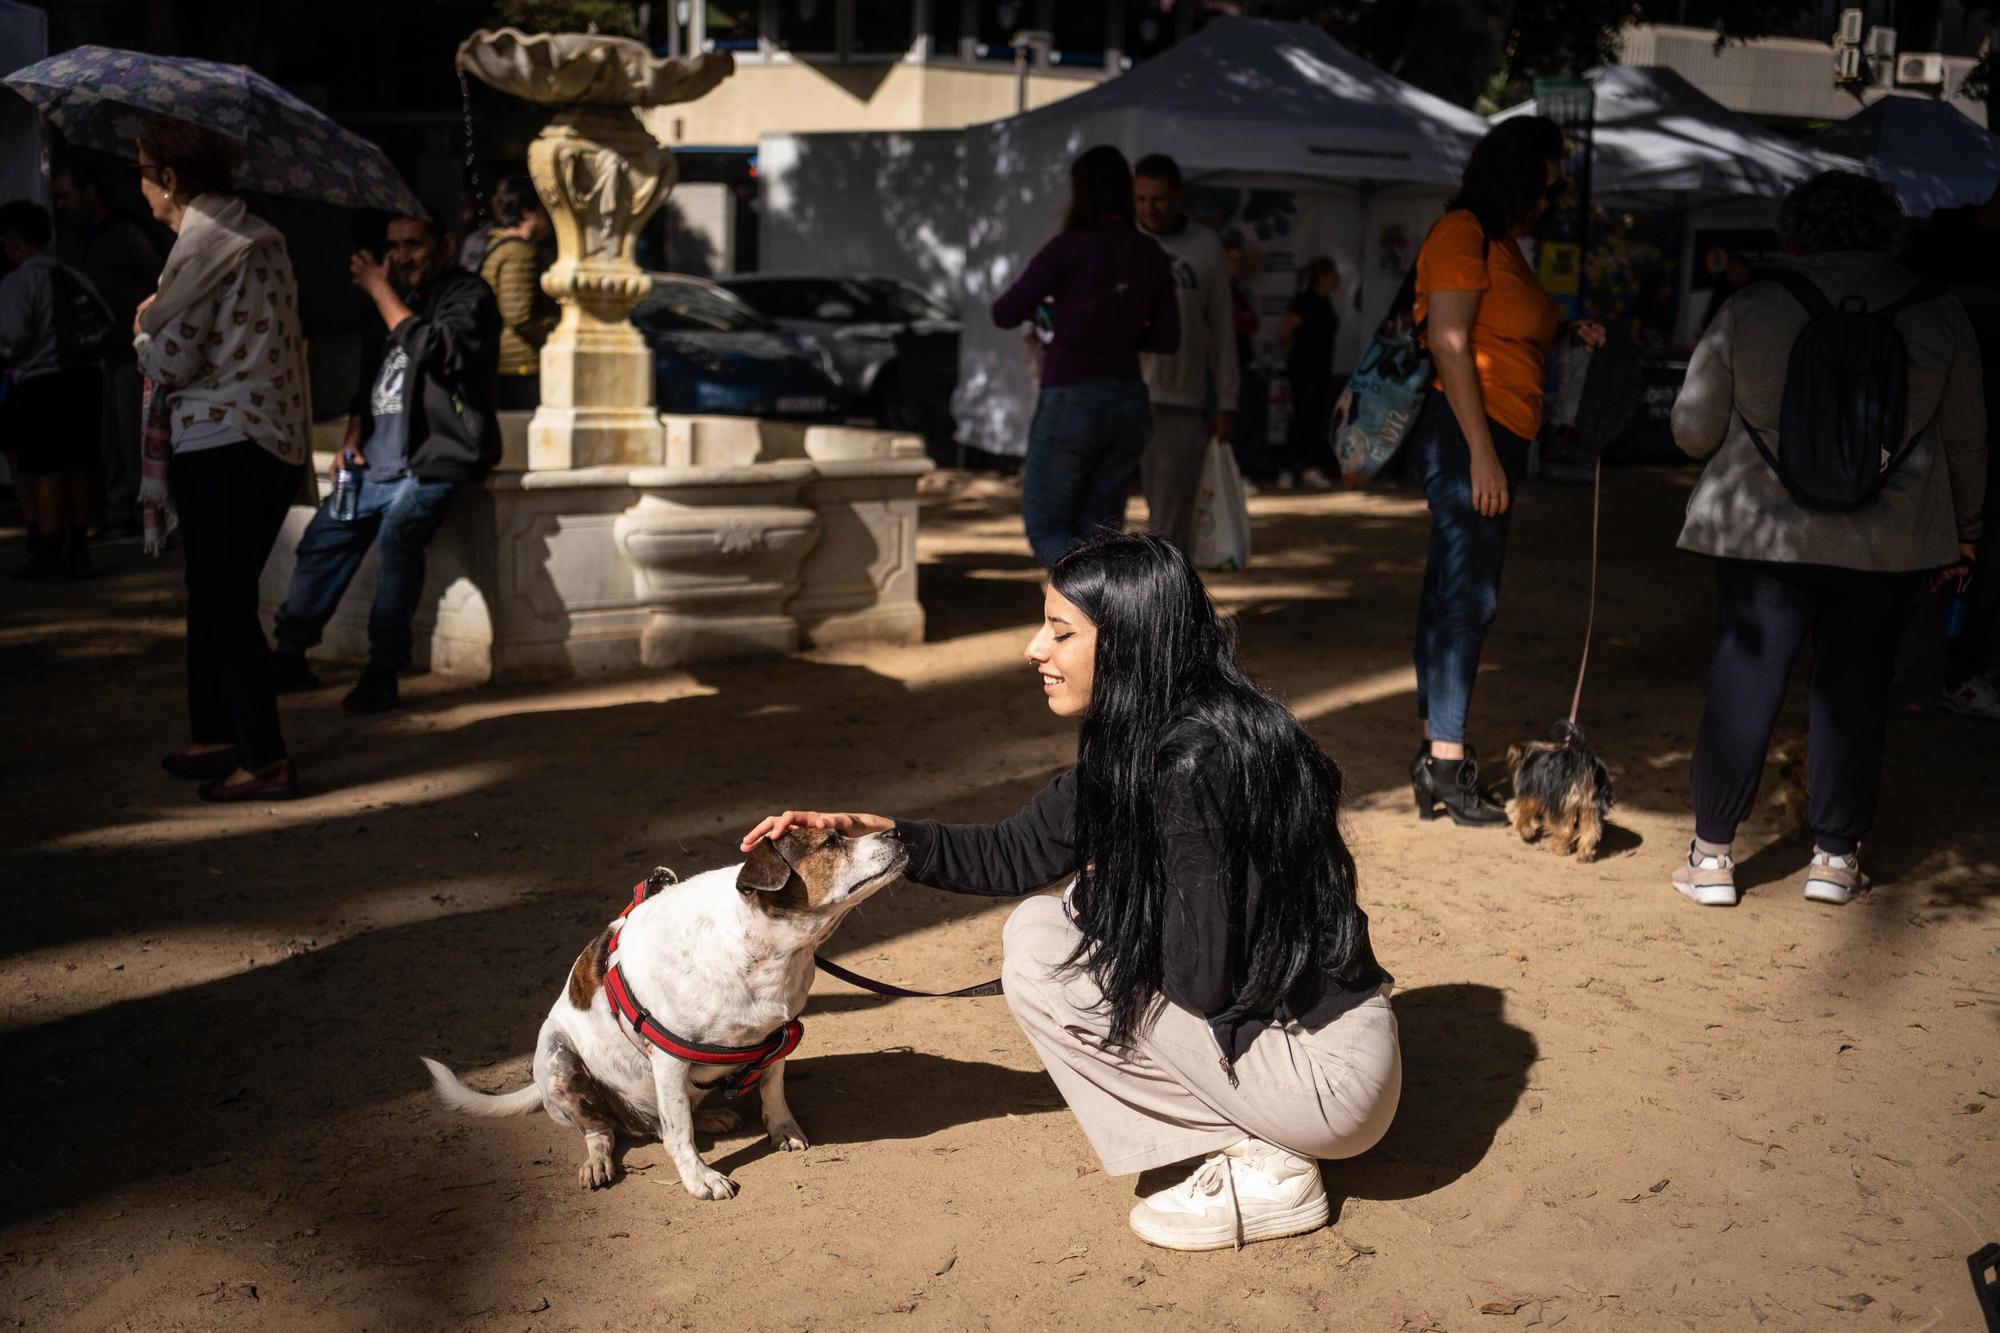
750, 1061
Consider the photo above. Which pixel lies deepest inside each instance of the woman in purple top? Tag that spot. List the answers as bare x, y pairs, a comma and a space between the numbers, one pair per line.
1111, 289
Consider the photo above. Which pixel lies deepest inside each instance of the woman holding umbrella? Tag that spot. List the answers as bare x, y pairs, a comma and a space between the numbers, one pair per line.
219, 344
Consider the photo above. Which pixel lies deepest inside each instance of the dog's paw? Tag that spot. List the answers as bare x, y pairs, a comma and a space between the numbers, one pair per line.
786, 1136
717, 1120
709, 1184
596, 1173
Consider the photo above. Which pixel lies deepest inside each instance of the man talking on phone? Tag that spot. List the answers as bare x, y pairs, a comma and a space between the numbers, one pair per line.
421, 427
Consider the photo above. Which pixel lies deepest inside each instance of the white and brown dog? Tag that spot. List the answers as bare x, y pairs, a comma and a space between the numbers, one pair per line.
697, 984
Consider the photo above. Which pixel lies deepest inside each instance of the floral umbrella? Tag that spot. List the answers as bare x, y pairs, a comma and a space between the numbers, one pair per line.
100, 97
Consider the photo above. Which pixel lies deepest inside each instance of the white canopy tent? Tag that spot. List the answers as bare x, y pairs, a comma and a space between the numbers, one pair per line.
1927, 149
1660, 143
1360, 159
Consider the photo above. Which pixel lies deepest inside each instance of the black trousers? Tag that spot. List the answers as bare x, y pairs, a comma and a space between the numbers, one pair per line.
1764, 614
231, 501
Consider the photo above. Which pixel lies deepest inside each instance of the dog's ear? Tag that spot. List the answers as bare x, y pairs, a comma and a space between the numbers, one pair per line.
765, 872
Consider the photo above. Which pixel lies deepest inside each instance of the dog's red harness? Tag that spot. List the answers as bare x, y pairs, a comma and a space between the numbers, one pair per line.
750, 1061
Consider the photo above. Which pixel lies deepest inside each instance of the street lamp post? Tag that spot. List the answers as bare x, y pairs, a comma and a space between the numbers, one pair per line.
1028, 39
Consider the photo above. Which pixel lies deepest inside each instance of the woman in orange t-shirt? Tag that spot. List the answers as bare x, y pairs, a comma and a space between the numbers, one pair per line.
1488, 324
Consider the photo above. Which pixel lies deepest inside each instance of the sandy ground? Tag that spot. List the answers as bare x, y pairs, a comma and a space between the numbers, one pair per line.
1620, 1110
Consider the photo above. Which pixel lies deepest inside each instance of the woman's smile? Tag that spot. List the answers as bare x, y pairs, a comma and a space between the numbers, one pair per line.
1063, 654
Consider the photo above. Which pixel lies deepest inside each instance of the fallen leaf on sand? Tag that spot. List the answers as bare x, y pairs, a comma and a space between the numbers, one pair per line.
1508, 1306
945, 1267
1655, 1189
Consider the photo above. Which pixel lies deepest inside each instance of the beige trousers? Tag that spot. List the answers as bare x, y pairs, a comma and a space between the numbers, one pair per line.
1170, 472
1325, 1094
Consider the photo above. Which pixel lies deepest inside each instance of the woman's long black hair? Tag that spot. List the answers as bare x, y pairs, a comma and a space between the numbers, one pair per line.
1170, 714
1507, 174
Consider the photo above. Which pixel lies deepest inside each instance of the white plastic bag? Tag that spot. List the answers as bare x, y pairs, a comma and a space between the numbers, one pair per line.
1221, 514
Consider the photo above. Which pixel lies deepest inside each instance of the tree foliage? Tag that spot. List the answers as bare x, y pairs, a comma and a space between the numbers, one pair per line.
1488, 52
617, 17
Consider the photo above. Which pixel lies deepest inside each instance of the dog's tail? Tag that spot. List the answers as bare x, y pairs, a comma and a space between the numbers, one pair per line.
461, 1098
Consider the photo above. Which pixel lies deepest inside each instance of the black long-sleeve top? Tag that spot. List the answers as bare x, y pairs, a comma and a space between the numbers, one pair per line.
1206, 927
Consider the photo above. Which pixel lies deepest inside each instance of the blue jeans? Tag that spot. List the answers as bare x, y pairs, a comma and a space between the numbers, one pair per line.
1083, 448
1462, 575
406, 512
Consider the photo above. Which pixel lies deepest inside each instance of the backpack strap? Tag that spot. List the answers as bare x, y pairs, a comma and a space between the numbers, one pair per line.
1925, 290
1803, 289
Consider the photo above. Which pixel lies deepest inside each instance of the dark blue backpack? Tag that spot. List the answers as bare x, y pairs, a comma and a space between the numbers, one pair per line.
1847, 395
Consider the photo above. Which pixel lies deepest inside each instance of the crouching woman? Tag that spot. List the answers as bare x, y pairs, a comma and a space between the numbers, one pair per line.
1204, 988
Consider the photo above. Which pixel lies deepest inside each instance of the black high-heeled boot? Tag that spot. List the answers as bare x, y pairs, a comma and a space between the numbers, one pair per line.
76, 560
1453, 784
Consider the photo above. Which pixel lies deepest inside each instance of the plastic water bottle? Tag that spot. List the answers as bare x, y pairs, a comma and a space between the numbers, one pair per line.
346, 501
1954, 618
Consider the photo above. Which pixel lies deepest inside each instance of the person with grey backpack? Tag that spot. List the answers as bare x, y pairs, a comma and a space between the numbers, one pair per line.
55, 334
1838, 405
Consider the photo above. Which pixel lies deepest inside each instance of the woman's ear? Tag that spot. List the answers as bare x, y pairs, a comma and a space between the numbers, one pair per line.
170, 184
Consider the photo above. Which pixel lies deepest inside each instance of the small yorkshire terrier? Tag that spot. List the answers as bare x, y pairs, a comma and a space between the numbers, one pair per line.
1561, 789
1792, 792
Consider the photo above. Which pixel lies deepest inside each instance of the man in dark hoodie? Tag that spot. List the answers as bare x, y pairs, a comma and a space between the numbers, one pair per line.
422, 426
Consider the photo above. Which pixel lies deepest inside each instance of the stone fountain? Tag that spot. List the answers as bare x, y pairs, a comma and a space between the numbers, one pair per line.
613, 537
602, 176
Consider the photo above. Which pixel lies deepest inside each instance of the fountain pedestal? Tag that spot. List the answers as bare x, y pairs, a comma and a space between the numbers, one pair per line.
602, 177
761, 538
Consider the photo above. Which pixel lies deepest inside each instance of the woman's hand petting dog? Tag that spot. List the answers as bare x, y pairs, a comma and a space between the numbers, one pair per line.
847, 825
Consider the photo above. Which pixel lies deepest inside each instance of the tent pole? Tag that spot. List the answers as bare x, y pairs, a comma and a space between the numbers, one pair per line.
1687, 258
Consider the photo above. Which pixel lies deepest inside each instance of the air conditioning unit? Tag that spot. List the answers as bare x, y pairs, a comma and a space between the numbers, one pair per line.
1920, 69
1881, 44
1849, 31
1847, 66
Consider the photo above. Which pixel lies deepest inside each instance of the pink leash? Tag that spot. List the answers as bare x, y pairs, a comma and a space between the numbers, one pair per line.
1590, 623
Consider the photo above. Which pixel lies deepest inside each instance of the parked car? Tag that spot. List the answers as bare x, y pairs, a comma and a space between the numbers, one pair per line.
867, 326
712, 353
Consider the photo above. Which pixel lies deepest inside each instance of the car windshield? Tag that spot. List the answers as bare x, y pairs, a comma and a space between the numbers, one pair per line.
904, 302
687, 307
866, 300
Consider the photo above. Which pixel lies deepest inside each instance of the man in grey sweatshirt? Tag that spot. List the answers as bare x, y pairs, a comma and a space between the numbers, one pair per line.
1184, 384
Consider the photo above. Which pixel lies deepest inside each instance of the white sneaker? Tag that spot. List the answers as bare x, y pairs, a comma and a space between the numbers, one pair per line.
1253, 1191
1976, 697
1708, 880
1313, 479
1836, 880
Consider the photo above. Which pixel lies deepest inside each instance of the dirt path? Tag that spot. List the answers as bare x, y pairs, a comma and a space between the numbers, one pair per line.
1619, 1110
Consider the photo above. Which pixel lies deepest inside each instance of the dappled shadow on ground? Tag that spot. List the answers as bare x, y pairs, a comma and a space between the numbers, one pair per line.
1464, 1069
451, 859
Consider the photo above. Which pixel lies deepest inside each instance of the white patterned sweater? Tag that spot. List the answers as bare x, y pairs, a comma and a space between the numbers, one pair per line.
222, 337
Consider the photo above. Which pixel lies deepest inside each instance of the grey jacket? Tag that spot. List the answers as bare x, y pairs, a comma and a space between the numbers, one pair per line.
1740, 510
